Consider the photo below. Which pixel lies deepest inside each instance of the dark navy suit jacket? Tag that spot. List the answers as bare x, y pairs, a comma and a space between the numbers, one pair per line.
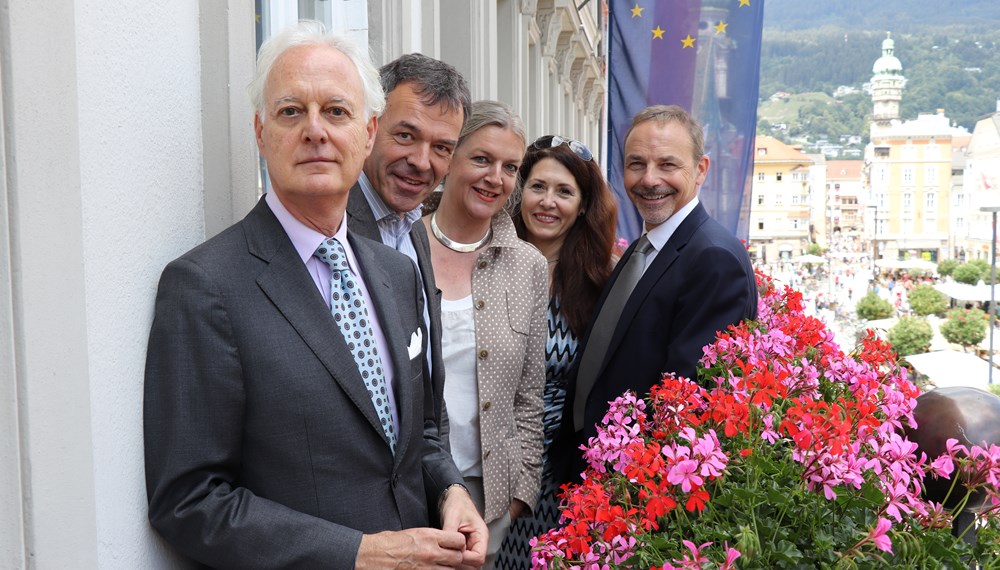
699, 283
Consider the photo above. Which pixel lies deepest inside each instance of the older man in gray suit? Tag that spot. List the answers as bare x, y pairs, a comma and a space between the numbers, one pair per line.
427, 102
288, 420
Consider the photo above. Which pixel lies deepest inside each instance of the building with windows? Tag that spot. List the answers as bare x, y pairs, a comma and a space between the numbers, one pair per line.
981, 188
908, 170
819, 213
126, 138
909, 167
887, 85
780, 202
845, 196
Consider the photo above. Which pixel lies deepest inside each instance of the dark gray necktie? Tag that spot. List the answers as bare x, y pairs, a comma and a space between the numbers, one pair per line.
604, 327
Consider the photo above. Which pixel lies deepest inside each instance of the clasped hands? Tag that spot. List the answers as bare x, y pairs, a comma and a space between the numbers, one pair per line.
460, 543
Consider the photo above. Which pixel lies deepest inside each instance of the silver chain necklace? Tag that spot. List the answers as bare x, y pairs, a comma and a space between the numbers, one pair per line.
458, 246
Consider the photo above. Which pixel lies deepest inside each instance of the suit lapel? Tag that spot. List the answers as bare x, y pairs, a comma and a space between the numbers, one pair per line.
288, 285
418, 235
360, 219
652, 276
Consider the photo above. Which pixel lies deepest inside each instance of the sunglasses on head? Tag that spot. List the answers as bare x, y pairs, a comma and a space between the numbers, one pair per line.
577, 147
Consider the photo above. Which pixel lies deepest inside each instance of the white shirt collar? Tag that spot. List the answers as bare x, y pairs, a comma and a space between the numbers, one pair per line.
659, 235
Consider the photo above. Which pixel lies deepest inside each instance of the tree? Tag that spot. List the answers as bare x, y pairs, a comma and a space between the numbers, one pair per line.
982, 264
967, 273
872, 307
911, 335
984, 269
966, 327
926, 300
814, 249
946, 266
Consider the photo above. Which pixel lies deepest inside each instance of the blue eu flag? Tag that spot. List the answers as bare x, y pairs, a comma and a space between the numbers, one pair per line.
703, 55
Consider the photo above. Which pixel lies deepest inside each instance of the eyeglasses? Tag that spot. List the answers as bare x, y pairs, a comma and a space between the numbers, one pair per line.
577, 147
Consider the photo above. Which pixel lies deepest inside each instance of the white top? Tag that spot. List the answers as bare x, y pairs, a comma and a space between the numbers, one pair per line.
461, 388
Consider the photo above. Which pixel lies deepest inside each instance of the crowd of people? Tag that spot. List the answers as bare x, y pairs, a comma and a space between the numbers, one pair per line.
365, 372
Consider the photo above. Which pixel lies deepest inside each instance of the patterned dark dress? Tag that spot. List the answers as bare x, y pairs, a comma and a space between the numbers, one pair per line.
560, 351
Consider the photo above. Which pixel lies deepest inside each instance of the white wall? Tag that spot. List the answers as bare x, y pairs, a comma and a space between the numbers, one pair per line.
53, 458
106, 176
142, 205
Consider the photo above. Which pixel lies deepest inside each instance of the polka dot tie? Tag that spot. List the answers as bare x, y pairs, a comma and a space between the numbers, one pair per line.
351, 312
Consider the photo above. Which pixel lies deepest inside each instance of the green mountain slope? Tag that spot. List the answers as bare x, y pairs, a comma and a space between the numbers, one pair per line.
950, 54
901, 15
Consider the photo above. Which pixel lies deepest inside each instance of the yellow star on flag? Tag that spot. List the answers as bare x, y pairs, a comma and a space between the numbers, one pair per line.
721, 28
687, 42
658, 33
744, 3
637, 11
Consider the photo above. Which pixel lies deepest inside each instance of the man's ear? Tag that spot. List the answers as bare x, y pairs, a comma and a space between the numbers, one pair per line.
702, 169
372, 128
258, 127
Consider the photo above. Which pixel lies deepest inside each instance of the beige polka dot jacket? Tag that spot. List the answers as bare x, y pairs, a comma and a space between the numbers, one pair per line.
510, 299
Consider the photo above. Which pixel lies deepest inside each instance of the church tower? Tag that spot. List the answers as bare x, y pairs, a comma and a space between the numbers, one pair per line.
887, 86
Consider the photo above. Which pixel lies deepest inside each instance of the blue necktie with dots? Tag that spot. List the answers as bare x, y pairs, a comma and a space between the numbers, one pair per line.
351, 312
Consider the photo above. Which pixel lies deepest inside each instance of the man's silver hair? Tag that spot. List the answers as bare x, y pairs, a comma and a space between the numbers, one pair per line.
311, 32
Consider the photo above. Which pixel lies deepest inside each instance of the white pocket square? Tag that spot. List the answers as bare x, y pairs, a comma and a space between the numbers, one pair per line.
416, 343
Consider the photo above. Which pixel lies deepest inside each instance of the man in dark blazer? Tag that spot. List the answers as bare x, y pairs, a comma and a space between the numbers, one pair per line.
264, 448
696, 278
427, 102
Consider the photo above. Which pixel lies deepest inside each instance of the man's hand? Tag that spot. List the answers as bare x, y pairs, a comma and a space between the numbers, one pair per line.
415, 548
459, 513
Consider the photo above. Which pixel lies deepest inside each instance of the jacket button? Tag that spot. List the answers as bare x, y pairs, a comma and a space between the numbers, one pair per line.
480, 304
395, 481
482, 265
487, 406
483, 354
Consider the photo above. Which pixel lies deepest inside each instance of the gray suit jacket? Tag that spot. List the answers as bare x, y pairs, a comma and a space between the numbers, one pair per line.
361, 221
263, 449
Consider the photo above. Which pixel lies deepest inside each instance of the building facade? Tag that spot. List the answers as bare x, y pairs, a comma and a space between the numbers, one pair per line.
780, 201
819, 206
909, 166
908, 171
846, 196
981, 189
887, 85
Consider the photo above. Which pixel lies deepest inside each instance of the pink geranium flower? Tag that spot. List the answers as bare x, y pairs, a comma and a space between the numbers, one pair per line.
685, 474
879, 537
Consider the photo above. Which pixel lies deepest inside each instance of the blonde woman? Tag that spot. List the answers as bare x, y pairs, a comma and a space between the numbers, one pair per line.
493, 313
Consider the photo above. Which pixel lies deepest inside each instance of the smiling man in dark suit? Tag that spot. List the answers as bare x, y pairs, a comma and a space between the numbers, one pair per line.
288, 421
427, 102
683, 280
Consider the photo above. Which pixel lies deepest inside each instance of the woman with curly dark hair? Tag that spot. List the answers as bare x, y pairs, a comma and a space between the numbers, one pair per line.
563, 206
